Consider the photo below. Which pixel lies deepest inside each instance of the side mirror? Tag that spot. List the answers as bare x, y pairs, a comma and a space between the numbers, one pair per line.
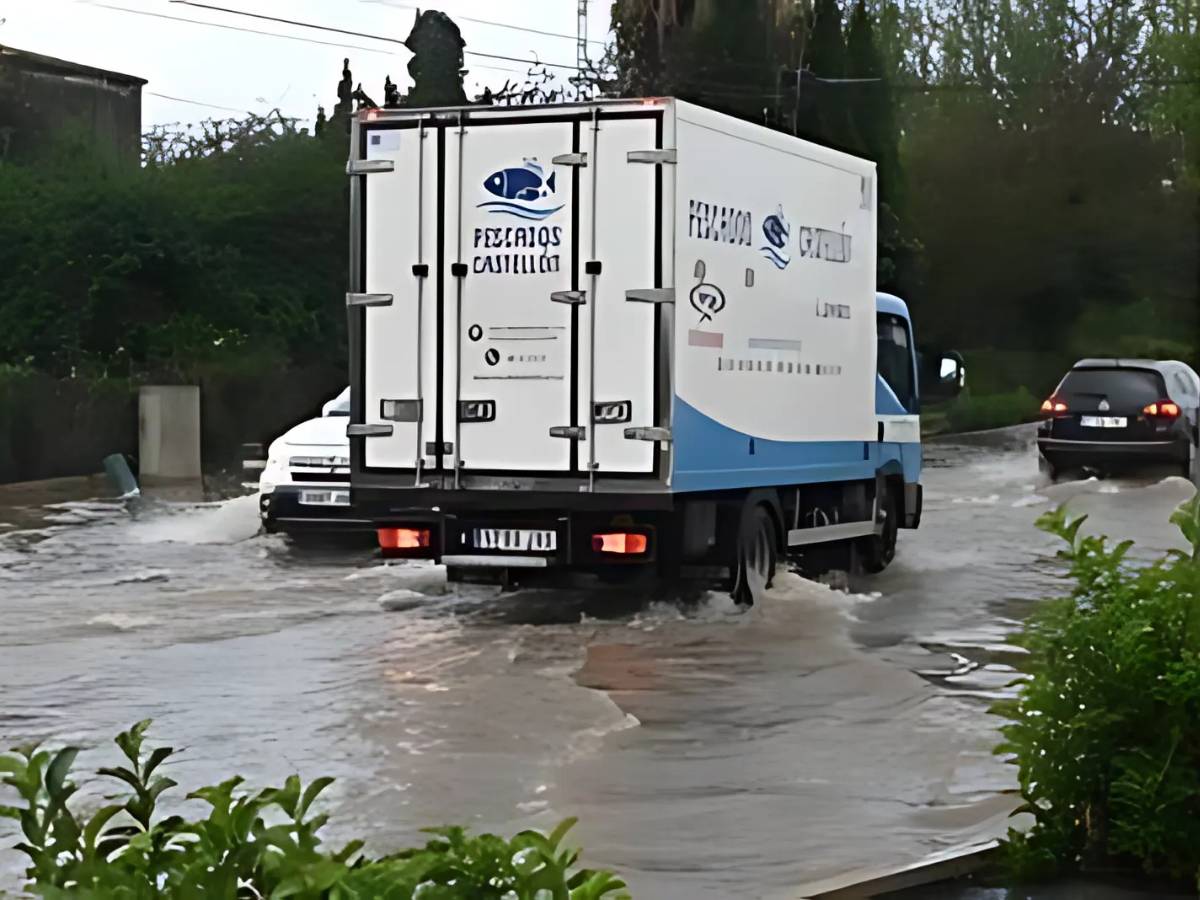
952, 374
943, 376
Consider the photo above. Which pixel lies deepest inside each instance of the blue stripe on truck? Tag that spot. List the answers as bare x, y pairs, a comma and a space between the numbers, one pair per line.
710, 456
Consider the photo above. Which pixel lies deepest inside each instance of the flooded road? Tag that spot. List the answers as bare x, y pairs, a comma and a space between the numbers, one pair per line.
709, 753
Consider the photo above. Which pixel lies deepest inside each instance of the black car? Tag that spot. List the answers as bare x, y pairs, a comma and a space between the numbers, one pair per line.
1114, 414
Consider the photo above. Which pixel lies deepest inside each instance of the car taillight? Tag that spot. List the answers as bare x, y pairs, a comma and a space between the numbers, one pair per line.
1053, 406
622, 543
1163, 409
403, 538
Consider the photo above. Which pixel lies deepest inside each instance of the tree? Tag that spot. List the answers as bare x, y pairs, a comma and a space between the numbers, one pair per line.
824, 114
437, 63
872, 116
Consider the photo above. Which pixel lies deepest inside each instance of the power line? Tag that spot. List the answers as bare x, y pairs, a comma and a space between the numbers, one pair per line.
196, 102
253, 15
286, 37
374, 37
456, 17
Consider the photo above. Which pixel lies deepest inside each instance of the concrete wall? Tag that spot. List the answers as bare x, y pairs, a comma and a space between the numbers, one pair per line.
51, 428
169, 433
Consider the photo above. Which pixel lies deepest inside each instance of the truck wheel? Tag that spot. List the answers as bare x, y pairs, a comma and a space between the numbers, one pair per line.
879, 550
756, 556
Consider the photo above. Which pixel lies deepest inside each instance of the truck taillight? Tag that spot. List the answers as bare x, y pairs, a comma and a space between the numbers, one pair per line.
403, 538
1164, 409
1053, 407
620, 543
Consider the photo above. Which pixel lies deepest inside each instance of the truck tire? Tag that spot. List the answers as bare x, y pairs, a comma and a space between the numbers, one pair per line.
757, 556
878, 551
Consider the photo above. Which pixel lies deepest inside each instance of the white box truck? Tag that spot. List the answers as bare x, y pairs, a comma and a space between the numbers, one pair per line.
617, 336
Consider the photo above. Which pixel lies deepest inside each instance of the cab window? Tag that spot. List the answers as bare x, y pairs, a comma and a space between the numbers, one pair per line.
895, 358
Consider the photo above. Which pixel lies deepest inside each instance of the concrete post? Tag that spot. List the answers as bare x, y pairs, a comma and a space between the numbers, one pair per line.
169, 433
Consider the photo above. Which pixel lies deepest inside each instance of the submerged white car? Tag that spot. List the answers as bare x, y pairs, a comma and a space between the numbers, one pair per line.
305, 485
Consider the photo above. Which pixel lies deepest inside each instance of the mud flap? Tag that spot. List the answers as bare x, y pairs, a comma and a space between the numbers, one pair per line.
913, 500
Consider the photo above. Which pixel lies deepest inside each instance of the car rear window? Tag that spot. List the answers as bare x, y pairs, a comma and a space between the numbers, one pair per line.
1135, 387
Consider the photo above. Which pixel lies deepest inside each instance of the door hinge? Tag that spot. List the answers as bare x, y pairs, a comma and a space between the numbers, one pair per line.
572, 298
366, 431
648, 434
651, 295
354, 299
570, 159
654, 157
369, 166
571, 432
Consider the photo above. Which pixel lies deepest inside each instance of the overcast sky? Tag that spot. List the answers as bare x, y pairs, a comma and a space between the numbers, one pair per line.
220, 71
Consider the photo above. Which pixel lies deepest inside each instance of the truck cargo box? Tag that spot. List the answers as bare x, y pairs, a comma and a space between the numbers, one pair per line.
641, 298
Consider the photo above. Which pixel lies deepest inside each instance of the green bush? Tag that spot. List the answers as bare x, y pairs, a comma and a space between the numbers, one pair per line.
162, 271
970, 412
996, 371
256, 844
1106, 732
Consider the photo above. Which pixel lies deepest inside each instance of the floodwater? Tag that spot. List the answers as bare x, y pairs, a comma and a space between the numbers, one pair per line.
708, 752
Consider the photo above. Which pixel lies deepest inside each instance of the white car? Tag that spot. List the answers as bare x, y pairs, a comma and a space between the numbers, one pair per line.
305, 485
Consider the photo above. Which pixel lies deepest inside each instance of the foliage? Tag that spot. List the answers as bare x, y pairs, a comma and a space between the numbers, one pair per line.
234, 254
256, 844
1106, 732
1038, 159
976, 412
164, 144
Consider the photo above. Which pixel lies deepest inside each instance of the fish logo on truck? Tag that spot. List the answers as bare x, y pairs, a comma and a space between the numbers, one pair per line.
777, 230
524, 192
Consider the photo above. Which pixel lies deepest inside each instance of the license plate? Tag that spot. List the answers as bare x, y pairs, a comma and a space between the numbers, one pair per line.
515, 539
325, 498
1103, 421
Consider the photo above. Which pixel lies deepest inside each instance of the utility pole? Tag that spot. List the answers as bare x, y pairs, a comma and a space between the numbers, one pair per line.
583, 65
581, 42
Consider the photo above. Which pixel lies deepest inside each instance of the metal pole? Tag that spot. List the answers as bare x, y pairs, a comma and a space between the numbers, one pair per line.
593, 298
420, 297
581, 48
462, 131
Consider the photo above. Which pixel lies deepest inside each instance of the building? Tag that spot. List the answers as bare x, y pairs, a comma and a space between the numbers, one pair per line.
39, 94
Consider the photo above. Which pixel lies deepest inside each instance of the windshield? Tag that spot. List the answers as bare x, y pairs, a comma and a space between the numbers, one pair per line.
1133, 388
895, 358
339, 405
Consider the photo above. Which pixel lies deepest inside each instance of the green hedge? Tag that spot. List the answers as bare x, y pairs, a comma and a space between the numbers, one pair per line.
1106, 732
971, 412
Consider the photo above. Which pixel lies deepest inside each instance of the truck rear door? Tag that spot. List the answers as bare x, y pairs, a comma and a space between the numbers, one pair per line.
534, 229
508, 349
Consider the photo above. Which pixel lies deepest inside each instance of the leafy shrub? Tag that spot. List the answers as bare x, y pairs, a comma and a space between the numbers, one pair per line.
970, 412
1106, 733
996, 371
253, 845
